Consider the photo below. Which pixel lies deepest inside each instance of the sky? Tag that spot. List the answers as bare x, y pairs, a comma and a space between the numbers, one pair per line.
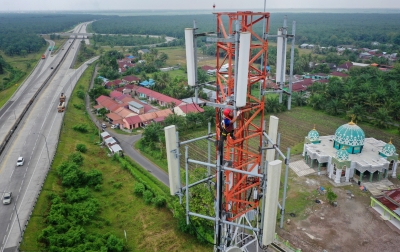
97, 5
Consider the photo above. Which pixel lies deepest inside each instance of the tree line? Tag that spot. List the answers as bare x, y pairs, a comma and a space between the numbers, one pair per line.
20, 33
326, 29
368, 93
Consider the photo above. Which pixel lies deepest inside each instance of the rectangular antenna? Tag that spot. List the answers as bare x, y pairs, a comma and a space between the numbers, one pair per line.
190, 64
271, 201
281, 56
173, 159
243, 69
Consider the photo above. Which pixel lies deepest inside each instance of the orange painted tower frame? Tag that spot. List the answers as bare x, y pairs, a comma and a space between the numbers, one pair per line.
244, 152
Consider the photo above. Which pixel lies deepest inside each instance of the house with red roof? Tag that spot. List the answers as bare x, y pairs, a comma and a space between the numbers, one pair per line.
113, 84
129, 88
137, 121
344, 67
206, 68
131, 79
185, 109
107, 103
132, 122
161, 99
339, 74
301, 85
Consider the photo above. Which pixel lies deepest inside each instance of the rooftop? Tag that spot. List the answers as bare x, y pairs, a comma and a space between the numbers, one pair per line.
368, 159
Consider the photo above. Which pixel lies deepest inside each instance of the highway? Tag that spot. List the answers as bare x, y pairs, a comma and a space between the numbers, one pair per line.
35, 137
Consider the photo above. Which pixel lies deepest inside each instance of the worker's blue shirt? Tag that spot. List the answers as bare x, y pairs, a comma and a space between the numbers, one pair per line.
228, 124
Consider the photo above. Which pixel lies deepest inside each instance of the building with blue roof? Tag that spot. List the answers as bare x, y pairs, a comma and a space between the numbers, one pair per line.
148, 83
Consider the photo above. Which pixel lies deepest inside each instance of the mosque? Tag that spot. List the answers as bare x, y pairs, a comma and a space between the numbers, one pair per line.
348, 155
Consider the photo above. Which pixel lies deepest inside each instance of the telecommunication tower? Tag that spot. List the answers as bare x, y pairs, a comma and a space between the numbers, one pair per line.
246, 172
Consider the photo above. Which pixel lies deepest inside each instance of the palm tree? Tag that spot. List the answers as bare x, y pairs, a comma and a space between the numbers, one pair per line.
317, 101
333, 107
358, 112
298, 99
382, 118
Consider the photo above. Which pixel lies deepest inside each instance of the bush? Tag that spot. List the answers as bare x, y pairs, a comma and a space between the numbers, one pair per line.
159, 201
78, 106
81, 148
94, 178
76, 158
83, 128
330, 195
80, 94
139, 188
117, 185
147, 196
98, 187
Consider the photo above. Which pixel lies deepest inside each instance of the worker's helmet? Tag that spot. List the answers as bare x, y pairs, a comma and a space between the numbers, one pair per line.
226, 112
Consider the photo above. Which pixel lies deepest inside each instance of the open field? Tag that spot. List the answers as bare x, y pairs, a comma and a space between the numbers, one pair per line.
177, 55
147, 228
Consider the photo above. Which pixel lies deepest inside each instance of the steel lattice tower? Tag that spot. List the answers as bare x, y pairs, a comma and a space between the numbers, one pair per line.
239, 188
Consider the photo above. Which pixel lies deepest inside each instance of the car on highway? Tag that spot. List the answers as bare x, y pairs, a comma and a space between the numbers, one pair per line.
20, 161
7, 198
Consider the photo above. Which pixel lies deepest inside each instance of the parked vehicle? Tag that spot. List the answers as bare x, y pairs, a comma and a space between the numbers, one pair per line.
20, 161
103, 125
43, 56
7, 198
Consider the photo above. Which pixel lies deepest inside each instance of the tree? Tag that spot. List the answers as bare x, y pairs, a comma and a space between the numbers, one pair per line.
202, 76
381, 118
333, 107
178, 121
102, 111
330, 195
151, 134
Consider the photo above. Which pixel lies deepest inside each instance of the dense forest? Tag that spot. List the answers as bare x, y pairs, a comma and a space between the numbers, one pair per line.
19, 33
326, 29
128, 40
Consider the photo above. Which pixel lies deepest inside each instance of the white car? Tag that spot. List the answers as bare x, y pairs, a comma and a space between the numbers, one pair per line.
7, 198
113, 126
20, 161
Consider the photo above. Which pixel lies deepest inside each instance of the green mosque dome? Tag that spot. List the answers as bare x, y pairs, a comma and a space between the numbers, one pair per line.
350, 134
342, 155
389, 149
313, 135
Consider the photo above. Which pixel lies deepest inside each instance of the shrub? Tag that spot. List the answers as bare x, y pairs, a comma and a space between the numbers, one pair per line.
330, 195
78, 106
117, 185
94, 178
76, 158
139, 189
80, 94
147, 196
98, 187
159, 201
81, 148
83, 128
